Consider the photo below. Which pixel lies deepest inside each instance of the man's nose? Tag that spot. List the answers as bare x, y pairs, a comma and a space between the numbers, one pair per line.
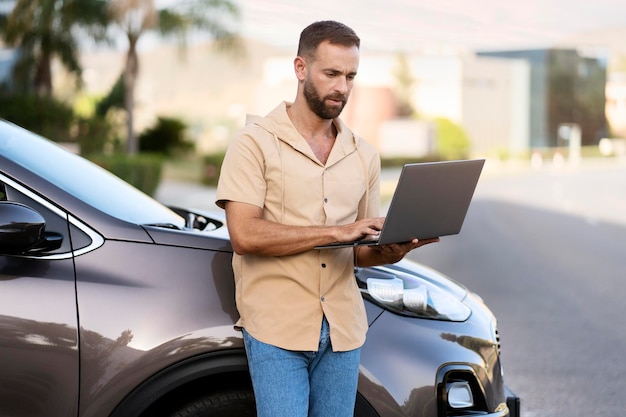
342, 85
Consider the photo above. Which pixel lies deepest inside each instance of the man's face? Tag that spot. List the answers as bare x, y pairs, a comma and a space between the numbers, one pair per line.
330, 78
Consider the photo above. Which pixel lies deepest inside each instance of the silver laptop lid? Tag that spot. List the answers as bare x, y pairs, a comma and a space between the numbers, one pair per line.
431, 200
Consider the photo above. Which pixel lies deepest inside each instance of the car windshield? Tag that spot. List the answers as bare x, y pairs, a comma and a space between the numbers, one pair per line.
82, 178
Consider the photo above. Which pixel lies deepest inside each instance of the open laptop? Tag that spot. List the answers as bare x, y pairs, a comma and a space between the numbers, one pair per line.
430, 200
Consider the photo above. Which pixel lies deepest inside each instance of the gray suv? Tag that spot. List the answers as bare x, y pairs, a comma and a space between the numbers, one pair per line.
112, 304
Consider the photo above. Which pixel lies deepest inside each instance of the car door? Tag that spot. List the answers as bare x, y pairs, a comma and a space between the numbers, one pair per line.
39, 358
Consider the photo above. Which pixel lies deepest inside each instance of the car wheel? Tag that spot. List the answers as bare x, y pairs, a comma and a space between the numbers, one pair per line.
232, 403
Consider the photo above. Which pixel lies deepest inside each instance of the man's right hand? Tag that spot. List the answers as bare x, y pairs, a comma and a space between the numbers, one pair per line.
361, 229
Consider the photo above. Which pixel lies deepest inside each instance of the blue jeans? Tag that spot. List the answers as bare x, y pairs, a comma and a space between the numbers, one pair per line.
303, 384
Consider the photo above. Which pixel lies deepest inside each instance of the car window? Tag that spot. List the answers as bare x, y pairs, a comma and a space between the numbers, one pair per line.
77, 238
83, 179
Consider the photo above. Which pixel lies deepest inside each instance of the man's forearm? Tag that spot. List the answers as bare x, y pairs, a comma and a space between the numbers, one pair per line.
271, 239
251, 233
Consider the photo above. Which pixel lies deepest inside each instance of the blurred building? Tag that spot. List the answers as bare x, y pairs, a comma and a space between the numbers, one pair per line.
616, 104
487, 97
507, 102
496, 105
567, 87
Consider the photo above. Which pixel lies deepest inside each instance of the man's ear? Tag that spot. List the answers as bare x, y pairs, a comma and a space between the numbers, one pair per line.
300, 68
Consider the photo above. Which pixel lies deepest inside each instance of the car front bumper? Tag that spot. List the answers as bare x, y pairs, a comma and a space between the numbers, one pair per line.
409, 365
513, 403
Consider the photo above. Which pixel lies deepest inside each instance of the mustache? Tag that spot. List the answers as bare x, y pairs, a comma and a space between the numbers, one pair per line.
338, 97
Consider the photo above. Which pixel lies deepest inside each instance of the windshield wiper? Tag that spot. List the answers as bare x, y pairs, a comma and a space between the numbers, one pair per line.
165, 226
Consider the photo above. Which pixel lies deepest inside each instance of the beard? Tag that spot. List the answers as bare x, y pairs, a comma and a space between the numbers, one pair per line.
318, 105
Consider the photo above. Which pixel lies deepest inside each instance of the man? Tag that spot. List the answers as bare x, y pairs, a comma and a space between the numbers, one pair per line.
293, 180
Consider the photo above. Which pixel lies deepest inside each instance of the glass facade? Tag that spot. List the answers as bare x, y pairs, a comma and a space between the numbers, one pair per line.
566, 87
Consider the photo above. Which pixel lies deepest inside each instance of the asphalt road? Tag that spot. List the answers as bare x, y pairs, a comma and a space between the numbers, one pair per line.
546, 249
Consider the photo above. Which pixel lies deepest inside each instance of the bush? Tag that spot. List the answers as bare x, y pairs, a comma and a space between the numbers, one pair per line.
45, 116
212, 166
93, 134
395, 162
166, 136
452, 141
142, 171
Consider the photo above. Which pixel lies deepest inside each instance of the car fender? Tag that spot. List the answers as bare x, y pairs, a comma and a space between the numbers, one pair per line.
158, 388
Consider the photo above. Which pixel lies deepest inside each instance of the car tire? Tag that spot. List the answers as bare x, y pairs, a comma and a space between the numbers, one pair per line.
231, 403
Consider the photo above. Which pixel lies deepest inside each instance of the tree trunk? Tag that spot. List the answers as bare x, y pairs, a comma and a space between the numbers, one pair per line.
130, 78
43, 76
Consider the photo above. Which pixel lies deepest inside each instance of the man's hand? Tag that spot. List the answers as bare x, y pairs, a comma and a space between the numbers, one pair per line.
361, 229
388, 254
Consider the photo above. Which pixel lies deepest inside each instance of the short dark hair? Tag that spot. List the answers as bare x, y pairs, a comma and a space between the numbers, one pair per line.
326, 30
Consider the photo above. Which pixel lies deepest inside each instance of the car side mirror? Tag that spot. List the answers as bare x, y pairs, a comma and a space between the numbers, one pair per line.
23, 229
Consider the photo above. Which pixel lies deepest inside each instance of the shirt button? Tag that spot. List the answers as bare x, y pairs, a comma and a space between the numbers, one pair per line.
325, 200
323, 265
323, 299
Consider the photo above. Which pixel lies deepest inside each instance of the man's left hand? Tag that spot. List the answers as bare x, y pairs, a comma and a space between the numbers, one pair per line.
396, 251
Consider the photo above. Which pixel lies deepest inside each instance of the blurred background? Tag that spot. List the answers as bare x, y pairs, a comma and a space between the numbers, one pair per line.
154, 90
437, 80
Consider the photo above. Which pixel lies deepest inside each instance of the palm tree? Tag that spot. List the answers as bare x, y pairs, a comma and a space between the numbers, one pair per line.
136, 17
45, 29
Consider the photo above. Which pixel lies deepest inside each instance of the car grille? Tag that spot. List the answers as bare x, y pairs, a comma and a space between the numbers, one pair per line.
497, 334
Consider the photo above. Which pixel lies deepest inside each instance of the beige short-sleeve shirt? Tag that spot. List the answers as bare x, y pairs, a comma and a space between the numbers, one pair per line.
281, 300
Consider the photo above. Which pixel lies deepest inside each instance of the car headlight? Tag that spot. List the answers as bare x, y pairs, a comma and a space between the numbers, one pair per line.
412, 296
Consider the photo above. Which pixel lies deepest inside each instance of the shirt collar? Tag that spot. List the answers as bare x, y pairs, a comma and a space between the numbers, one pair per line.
278, 123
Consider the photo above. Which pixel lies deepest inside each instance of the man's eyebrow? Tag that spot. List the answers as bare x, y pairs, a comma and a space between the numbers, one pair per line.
337, 71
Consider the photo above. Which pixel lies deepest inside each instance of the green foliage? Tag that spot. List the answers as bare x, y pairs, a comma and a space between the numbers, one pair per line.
45, 29
115, 98
212, 17
42, 115
168, 135
395, 162
212, 168
92, 134
452, 141
142, 170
